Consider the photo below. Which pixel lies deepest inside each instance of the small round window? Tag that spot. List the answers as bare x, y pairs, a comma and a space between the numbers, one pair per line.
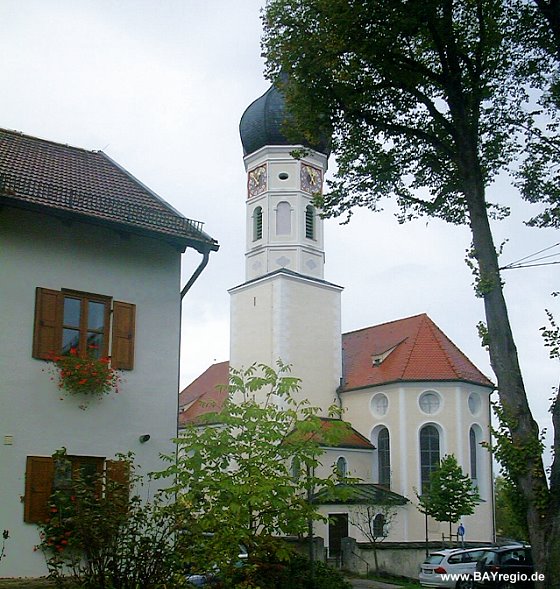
429, 402
474, 403
379, 404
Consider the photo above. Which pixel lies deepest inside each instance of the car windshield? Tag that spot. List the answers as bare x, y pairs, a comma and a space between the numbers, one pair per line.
434, 559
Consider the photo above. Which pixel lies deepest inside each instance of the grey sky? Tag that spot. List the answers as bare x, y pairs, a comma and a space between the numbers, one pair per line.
160, 86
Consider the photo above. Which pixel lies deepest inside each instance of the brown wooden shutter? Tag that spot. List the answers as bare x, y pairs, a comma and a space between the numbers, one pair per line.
118, 483
47, 335
122, 346
39, 476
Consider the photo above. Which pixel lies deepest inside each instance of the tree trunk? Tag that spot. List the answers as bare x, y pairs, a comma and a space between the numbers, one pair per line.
543, 515
375, 560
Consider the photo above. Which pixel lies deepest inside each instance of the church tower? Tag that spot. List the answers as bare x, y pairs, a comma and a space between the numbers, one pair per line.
285, 309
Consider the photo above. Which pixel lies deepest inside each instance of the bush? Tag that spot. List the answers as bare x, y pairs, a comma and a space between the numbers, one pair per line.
100, 538
296, 573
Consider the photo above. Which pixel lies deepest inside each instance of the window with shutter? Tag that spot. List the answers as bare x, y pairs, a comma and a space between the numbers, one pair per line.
39, 478
118, 483
69, 320
122, 349
47, 337
45, 474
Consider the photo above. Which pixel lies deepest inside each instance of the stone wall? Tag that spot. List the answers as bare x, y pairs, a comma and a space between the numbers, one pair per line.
395, 558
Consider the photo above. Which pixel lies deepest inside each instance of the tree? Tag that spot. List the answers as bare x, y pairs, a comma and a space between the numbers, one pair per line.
425, 104
450, 494
234, 471
374, 520
511, 519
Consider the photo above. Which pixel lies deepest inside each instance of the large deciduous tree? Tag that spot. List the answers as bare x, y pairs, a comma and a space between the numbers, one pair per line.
425, 104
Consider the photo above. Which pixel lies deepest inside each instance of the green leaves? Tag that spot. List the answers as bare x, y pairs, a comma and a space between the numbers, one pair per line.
234, 473
451, 493
418, 94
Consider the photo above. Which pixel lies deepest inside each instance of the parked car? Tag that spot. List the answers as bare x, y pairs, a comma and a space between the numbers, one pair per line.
506, 567
212, 579
206, 580
438, 565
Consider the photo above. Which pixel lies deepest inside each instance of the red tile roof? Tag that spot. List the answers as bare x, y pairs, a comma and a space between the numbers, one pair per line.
422, 352
418, 351
206, 394
36, 173
336, 433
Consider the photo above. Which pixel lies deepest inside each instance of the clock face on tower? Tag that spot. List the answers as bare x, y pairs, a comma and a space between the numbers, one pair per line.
256, 182
311, 179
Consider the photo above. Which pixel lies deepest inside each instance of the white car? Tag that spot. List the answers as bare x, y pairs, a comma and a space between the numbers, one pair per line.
455, 561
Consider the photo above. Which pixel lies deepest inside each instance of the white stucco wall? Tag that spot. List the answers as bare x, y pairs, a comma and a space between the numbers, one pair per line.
295, 320
288, 249
358, 462
357, 515
404, 419
37, 250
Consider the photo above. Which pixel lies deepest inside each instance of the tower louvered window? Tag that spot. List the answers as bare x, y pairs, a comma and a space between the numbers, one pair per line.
310, 222
257, 224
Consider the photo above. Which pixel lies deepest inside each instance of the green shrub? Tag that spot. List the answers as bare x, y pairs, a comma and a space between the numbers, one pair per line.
296, 573
97, 537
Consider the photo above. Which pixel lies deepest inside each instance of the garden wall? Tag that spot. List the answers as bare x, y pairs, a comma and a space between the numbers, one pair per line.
395, 558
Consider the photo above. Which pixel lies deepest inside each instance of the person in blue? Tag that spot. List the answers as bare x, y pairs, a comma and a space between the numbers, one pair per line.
461, 533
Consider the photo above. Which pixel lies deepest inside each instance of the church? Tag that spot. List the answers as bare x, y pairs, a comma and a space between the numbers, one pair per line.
409, 396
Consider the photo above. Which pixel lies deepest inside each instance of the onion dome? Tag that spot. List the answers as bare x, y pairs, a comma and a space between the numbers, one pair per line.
262, 122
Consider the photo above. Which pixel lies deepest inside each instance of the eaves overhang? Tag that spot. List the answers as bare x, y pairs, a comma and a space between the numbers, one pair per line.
419, 381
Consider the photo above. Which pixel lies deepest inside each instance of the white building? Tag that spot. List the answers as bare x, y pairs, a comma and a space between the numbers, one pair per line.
88, 256
408, 392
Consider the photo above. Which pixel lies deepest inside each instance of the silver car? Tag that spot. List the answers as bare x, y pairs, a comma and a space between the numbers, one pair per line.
450, 568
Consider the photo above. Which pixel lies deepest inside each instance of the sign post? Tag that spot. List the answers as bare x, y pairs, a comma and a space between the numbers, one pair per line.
461, 533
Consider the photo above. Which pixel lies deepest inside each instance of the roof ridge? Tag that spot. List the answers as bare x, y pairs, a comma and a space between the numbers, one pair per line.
413, 346
140, 183
457, 349
17, 133
437, 333
61, 179
385, 323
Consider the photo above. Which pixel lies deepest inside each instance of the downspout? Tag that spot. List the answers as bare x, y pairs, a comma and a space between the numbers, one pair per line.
205, 257
197, 272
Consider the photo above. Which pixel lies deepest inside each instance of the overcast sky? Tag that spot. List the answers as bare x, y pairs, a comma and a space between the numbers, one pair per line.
160, 86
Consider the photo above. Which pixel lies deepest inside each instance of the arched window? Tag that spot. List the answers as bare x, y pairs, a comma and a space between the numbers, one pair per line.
429, 455
257, 223
310, 222
283, 218
473, 445
378, 527
383, 458
341, 467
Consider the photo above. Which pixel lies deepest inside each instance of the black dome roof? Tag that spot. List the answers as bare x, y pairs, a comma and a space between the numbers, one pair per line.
261, 124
